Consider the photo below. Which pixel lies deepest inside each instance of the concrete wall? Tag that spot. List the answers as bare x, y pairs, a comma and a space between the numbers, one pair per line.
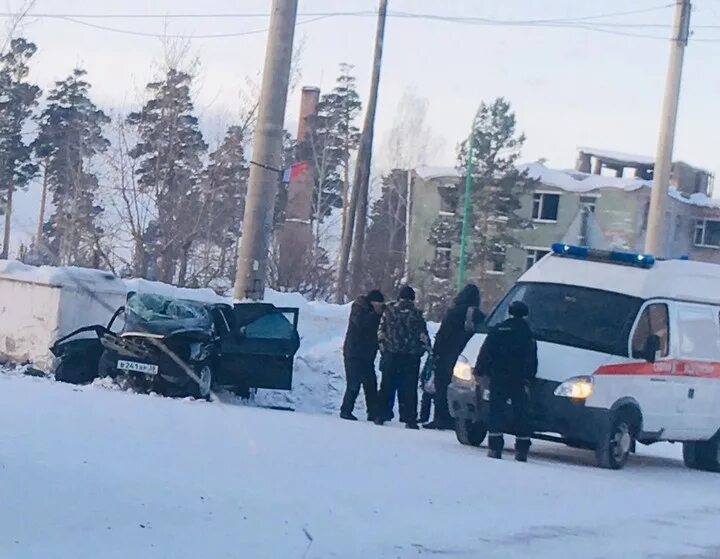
33, 315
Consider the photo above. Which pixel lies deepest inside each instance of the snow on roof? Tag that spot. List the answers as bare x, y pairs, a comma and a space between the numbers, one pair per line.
428, 172
571, 180
686, 280
576, 181
96, 280
619, 156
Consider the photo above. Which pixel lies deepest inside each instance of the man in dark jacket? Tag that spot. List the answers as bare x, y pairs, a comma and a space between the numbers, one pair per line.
457, 327
359, 351
509, 358
403, 339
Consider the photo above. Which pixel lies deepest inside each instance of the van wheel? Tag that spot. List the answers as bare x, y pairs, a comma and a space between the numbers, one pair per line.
614, 449
703, 455
469, 432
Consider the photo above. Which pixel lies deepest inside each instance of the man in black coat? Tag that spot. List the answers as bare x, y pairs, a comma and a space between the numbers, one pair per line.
509, 358
457, 327
404, 339
359, 351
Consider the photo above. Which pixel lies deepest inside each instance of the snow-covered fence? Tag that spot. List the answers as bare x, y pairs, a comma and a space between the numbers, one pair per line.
38, 305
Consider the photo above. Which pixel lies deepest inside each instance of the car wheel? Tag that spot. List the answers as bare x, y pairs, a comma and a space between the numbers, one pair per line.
703, 455
469, 432
202, 384
613, 451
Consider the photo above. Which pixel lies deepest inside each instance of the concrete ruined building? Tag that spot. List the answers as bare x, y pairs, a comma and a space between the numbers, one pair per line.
602, 203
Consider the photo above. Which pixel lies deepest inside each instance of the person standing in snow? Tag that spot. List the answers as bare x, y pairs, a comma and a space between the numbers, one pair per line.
457, 327
403, 339
509, 358
359, 351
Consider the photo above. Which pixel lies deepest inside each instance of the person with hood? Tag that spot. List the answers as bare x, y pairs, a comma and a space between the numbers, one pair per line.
403, 339
359, 351
458, 325
508, 358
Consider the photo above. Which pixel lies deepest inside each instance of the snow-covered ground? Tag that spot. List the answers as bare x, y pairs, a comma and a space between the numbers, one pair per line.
90, 473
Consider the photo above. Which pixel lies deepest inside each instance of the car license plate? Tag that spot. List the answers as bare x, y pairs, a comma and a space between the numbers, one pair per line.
136, 367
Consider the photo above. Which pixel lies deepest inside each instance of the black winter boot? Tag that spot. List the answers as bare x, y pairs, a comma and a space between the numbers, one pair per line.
522, 446
496, 442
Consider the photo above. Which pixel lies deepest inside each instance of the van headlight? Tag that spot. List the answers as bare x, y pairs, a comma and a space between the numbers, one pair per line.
463, 371
578, 388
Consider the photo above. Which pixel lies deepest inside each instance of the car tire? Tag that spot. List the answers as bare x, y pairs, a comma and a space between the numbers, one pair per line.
470, 433
703, 455
616, 444
202, 384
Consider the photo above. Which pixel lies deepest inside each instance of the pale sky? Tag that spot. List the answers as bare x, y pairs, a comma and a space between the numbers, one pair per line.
569, 87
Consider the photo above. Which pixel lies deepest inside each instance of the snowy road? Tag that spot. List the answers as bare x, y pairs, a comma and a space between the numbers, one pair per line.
88, 473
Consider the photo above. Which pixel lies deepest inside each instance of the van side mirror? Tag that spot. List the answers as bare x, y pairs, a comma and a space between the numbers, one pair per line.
652, 346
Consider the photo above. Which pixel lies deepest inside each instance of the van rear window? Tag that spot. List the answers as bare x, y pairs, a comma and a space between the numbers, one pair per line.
575, 316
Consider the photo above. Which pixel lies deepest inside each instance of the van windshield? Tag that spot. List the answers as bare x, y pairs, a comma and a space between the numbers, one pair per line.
575, 316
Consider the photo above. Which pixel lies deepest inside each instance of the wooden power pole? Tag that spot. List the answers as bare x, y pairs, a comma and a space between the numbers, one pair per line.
354, 231
267, 153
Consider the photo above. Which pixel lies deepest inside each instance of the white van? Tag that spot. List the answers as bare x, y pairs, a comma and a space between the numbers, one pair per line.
628, 350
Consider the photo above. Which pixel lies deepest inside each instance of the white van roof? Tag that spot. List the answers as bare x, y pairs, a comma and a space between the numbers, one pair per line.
685, 280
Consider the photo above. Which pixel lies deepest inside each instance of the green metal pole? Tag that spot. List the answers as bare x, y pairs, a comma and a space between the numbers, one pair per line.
466, 211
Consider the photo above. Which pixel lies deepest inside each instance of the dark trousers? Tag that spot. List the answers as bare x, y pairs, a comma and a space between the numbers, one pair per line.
425, 405
443, 374
360, 372
500, 392
400, 375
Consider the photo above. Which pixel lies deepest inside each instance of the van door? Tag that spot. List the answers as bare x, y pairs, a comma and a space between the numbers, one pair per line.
654, 386
697, 364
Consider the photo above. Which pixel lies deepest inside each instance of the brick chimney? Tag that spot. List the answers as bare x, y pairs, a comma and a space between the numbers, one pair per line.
295, 238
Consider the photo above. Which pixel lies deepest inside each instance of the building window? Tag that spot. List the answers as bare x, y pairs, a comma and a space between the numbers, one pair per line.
447, 205
443, 254
707, 233
545, 206
588, 202
496, 265
533, 255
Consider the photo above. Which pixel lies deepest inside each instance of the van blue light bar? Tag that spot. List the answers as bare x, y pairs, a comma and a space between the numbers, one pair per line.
610, 256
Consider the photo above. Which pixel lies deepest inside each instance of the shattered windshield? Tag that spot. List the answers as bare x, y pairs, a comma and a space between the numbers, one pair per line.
149, 307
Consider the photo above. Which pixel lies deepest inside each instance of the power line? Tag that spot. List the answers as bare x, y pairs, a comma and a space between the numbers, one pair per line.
586, 23
369, 13
177, 36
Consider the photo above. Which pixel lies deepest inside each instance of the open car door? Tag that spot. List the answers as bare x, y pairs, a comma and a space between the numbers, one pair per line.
261, 346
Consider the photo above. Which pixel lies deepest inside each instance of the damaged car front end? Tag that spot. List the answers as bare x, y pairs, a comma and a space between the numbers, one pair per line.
168, 345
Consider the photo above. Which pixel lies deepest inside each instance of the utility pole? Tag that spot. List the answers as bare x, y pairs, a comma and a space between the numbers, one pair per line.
663, 160
357, 212
267, 153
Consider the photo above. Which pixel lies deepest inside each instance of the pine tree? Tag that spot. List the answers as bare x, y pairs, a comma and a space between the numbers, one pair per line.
332, 140
497, 185
169, 156
496, 189
70, 136
224, 186
18, 99
385, 244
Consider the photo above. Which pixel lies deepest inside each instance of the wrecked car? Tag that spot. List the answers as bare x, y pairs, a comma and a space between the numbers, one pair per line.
184, 347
